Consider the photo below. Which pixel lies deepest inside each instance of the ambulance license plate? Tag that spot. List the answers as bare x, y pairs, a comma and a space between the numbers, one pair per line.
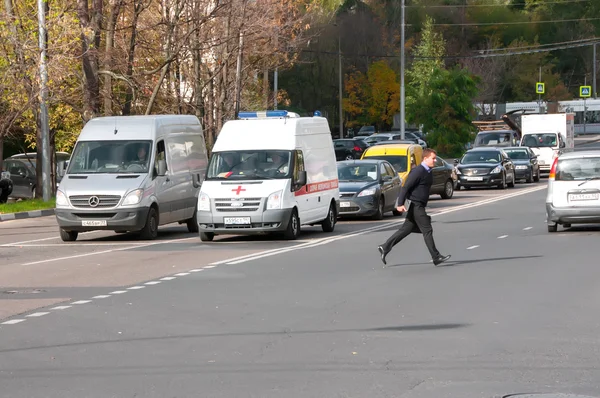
236, 220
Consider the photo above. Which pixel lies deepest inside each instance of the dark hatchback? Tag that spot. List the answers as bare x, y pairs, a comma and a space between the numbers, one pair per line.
368, 188
526, 163
485, 167
349, 148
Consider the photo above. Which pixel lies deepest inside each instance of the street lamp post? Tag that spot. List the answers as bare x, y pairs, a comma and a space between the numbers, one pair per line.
402, 99
340, 85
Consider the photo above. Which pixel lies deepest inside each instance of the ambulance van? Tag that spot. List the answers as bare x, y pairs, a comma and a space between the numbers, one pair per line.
269, 172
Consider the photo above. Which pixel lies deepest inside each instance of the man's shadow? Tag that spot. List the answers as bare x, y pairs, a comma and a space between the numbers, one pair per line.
453, 263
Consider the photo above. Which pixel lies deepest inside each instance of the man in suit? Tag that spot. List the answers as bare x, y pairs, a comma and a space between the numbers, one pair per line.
416, 189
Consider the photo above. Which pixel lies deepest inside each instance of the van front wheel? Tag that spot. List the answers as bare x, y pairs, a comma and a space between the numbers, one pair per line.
192, 223
293, 229
150, 230
68, 236
328, 224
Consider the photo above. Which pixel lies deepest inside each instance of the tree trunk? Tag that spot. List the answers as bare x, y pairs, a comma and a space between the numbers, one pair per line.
266, 88
90, 41
137, 9
115, 7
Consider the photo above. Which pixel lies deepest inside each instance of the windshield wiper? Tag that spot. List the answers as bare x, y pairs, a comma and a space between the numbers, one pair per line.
589, 179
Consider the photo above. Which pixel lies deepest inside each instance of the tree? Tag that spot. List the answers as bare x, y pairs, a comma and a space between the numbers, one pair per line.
447, 114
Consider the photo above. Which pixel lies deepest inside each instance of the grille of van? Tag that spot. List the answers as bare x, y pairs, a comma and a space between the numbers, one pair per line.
88, 201
242, 204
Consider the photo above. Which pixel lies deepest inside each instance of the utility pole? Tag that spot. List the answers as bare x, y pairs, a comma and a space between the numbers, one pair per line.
540, 95
594, 69
45, 130
275, 89
584, 107
402, 99
340, 88
238, 74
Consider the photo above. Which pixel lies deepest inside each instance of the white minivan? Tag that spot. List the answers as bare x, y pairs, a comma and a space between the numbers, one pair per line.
270, 171
133, 173
574, 190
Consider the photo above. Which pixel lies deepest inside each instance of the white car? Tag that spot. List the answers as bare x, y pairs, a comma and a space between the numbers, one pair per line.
574, 190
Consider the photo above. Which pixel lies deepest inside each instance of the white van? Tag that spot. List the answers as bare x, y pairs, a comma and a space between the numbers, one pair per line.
270, 172
133, 173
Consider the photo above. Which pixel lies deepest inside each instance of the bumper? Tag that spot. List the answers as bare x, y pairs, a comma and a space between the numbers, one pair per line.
523, 174
486, 180
116, 220
354, 206
545, 168
267, 221
572, 215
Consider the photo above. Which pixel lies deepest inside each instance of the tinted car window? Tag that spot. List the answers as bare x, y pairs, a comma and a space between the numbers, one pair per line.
577, 169
399, 162
481, 157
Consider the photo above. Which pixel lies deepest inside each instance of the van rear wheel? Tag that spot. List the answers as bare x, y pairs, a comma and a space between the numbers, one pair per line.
328, 224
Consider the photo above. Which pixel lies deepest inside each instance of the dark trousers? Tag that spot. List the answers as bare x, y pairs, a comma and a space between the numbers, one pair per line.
416, 221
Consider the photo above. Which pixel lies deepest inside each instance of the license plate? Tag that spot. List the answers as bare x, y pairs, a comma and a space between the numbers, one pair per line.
584, 196
344, 204
474, 178
236, 220
94, 223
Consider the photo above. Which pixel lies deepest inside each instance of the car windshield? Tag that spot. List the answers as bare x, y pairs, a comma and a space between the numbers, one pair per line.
578, 169
247, 165
398, 161
481, 157
97, 157
377, 138
540, 140
493, 139
353, 172
518, 154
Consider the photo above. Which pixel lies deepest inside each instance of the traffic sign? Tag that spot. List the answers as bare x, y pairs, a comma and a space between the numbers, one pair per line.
585, 91
540, 88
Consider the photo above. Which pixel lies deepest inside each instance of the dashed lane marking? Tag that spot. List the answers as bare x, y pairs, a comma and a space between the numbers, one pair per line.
502, 236
37, 314
472, 247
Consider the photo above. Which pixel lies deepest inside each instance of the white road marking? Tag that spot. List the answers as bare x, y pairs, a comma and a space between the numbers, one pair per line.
135, 287
45, 239
101, 296
503, 236
71, 244
472, 247
167, 278
13, 322
133, 246
323, 241
61, 307
119, 292
81, 302
152, 283
37, 314
195, 270
182, 274
209, 266
527, 228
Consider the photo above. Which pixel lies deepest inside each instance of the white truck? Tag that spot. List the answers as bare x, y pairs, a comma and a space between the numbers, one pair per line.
548, 135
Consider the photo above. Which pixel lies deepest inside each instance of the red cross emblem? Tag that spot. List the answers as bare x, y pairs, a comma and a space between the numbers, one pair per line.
238, 190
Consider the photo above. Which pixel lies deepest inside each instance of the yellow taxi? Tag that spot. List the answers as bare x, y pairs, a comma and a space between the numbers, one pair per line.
404, 157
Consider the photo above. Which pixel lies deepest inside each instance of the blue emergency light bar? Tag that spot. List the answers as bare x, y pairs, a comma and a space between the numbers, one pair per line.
265, 114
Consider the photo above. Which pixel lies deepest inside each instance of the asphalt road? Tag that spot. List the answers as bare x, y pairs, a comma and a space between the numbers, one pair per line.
514, 311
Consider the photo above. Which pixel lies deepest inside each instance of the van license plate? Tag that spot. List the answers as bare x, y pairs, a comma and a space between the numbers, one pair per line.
236, 220
584, 196
94, 223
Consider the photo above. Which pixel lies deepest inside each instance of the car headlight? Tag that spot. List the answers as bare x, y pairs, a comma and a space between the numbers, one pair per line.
133, 197
61, 199
203, 202
521, 167
367, 192
274, 200
497, 169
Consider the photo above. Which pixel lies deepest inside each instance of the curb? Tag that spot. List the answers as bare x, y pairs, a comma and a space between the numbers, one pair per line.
26, 214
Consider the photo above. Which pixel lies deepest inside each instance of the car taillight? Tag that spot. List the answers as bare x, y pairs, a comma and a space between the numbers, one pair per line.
357, 148
552, 174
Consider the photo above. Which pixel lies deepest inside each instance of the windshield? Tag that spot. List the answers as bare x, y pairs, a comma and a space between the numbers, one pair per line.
246, 165
540, 140
481, 157
493, 139
96, 157
577, 169
363, 172
377, 138
518, 154
398, 161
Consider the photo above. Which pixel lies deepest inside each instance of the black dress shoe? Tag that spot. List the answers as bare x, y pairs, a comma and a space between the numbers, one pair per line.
440, 259
383, 254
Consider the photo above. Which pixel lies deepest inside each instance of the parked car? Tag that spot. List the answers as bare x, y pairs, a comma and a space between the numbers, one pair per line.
349, 148
573, 190
444, 179
368, 188
22, 174
6, 186
403, 157
526, 163
485, 167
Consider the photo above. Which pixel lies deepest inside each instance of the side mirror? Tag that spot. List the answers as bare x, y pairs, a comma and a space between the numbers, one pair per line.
455, 162
162, 168
301, 179
387, 178
562, 144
